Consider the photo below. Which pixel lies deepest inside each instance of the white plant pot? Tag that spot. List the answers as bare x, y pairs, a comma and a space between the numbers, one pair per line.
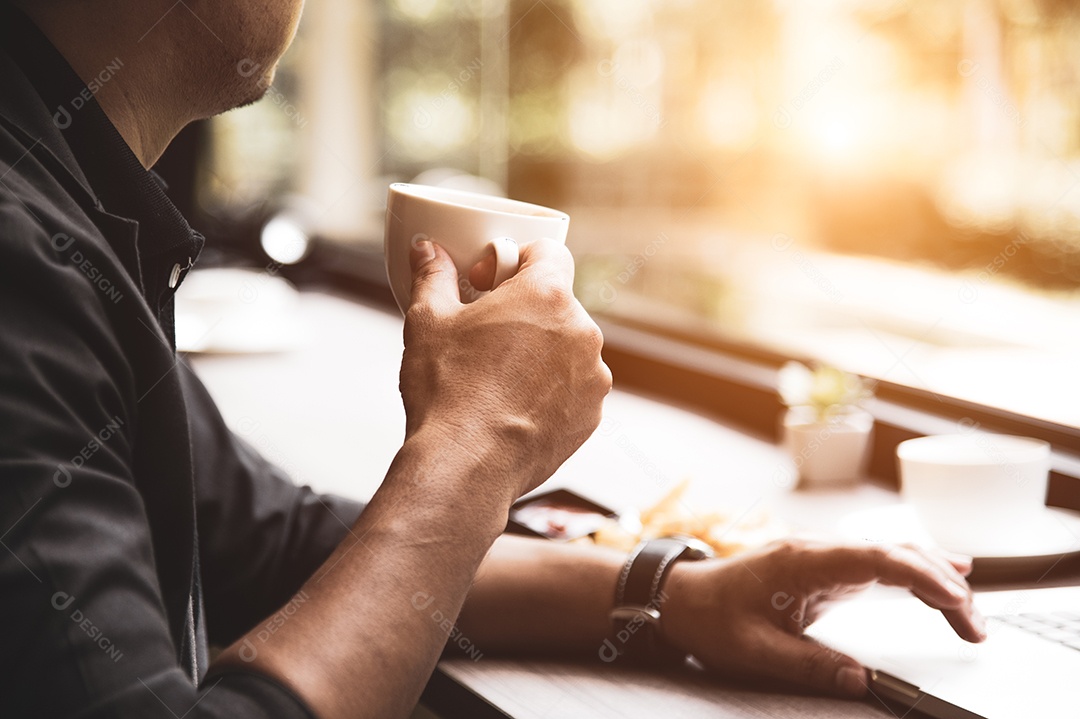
828, 453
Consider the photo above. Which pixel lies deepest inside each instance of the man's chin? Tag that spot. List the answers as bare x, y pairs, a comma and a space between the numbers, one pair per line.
256, 94
246, 93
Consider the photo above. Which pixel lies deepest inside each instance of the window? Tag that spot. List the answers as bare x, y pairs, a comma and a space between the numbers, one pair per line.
893, 187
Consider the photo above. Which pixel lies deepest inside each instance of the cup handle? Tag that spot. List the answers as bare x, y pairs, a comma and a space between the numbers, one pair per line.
507, 259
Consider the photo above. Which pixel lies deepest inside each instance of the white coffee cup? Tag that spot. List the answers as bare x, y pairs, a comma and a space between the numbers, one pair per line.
468, 226
978, 494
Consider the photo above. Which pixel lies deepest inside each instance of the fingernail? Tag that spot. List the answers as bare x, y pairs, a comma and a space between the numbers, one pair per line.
957, 591
851, 680
959, 558
979, 621
421, 254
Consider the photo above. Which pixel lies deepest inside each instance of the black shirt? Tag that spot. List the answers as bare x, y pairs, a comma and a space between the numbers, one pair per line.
135, 528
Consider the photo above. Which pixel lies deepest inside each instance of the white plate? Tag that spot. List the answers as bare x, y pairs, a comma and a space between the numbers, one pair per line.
1056, 533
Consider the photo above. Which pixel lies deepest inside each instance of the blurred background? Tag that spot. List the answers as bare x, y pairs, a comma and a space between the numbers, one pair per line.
889, 186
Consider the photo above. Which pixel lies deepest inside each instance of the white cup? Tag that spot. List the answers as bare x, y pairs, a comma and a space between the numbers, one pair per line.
978, 494
468, 226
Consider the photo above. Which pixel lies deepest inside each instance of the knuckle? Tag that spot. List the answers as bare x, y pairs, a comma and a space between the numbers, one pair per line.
552, 294
882, 552
592, 337
587, 347
426, 273
606, 380
431, 274
880, 555
789, 547
418, 318
546, 244
813, 665
746, 634
550, 289
551, 250
414, 316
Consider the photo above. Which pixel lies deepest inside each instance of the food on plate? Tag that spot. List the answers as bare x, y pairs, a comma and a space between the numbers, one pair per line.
728, 533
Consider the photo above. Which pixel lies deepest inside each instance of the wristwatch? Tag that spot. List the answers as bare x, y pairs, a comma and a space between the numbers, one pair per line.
639, 599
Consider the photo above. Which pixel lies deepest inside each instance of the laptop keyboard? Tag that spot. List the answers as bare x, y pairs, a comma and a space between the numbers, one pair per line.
1060, 627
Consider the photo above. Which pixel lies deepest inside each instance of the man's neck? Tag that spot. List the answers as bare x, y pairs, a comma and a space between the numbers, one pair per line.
138, 99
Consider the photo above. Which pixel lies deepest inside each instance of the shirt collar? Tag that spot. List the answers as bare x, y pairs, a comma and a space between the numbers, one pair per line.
114, 173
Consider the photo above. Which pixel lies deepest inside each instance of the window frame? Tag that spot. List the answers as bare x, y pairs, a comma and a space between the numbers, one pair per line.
735, 382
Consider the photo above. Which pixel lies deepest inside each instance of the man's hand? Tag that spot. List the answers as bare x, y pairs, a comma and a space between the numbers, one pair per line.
514, 377
745, 617
498, 393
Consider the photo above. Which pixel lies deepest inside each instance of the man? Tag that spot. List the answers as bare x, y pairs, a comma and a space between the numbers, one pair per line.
137, 529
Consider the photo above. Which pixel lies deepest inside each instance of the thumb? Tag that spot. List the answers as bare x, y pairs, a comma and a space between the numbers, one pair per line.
802, 661
434, 281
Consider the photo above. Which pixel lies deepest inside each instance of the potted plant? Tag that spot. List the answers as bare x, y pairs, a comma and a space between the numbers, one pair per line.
826, 430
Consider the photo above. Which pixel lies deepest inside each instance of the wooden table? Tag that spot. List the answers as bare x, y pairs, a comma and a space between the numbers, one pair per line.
329, 412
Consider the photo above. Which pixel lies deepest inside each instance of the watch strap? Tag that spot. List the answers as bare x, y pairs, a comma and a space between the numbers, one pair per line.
646, 569
639, 596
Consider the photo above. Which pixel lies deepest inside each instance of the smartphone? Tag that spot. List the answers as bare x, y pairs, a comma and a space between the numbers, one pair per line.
560, 515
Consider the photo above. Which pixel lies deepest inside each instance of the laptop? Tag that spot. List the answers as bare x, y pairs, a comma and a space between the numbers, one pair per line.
1029, 665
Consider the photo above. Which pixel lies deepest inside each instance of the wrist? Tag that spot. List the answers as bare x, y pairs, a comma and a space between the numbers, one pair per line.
500, 447
454, 476
642, 597
686, 601
676, 605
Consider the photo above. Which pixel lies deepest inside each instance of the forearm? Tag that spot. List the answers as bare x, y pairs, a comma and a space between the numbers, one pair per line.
483, 375
538, 595
362, 641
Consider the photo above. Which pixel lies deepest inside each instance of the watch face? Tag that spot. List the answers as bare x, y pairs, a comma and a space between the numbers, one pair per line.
696, 549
